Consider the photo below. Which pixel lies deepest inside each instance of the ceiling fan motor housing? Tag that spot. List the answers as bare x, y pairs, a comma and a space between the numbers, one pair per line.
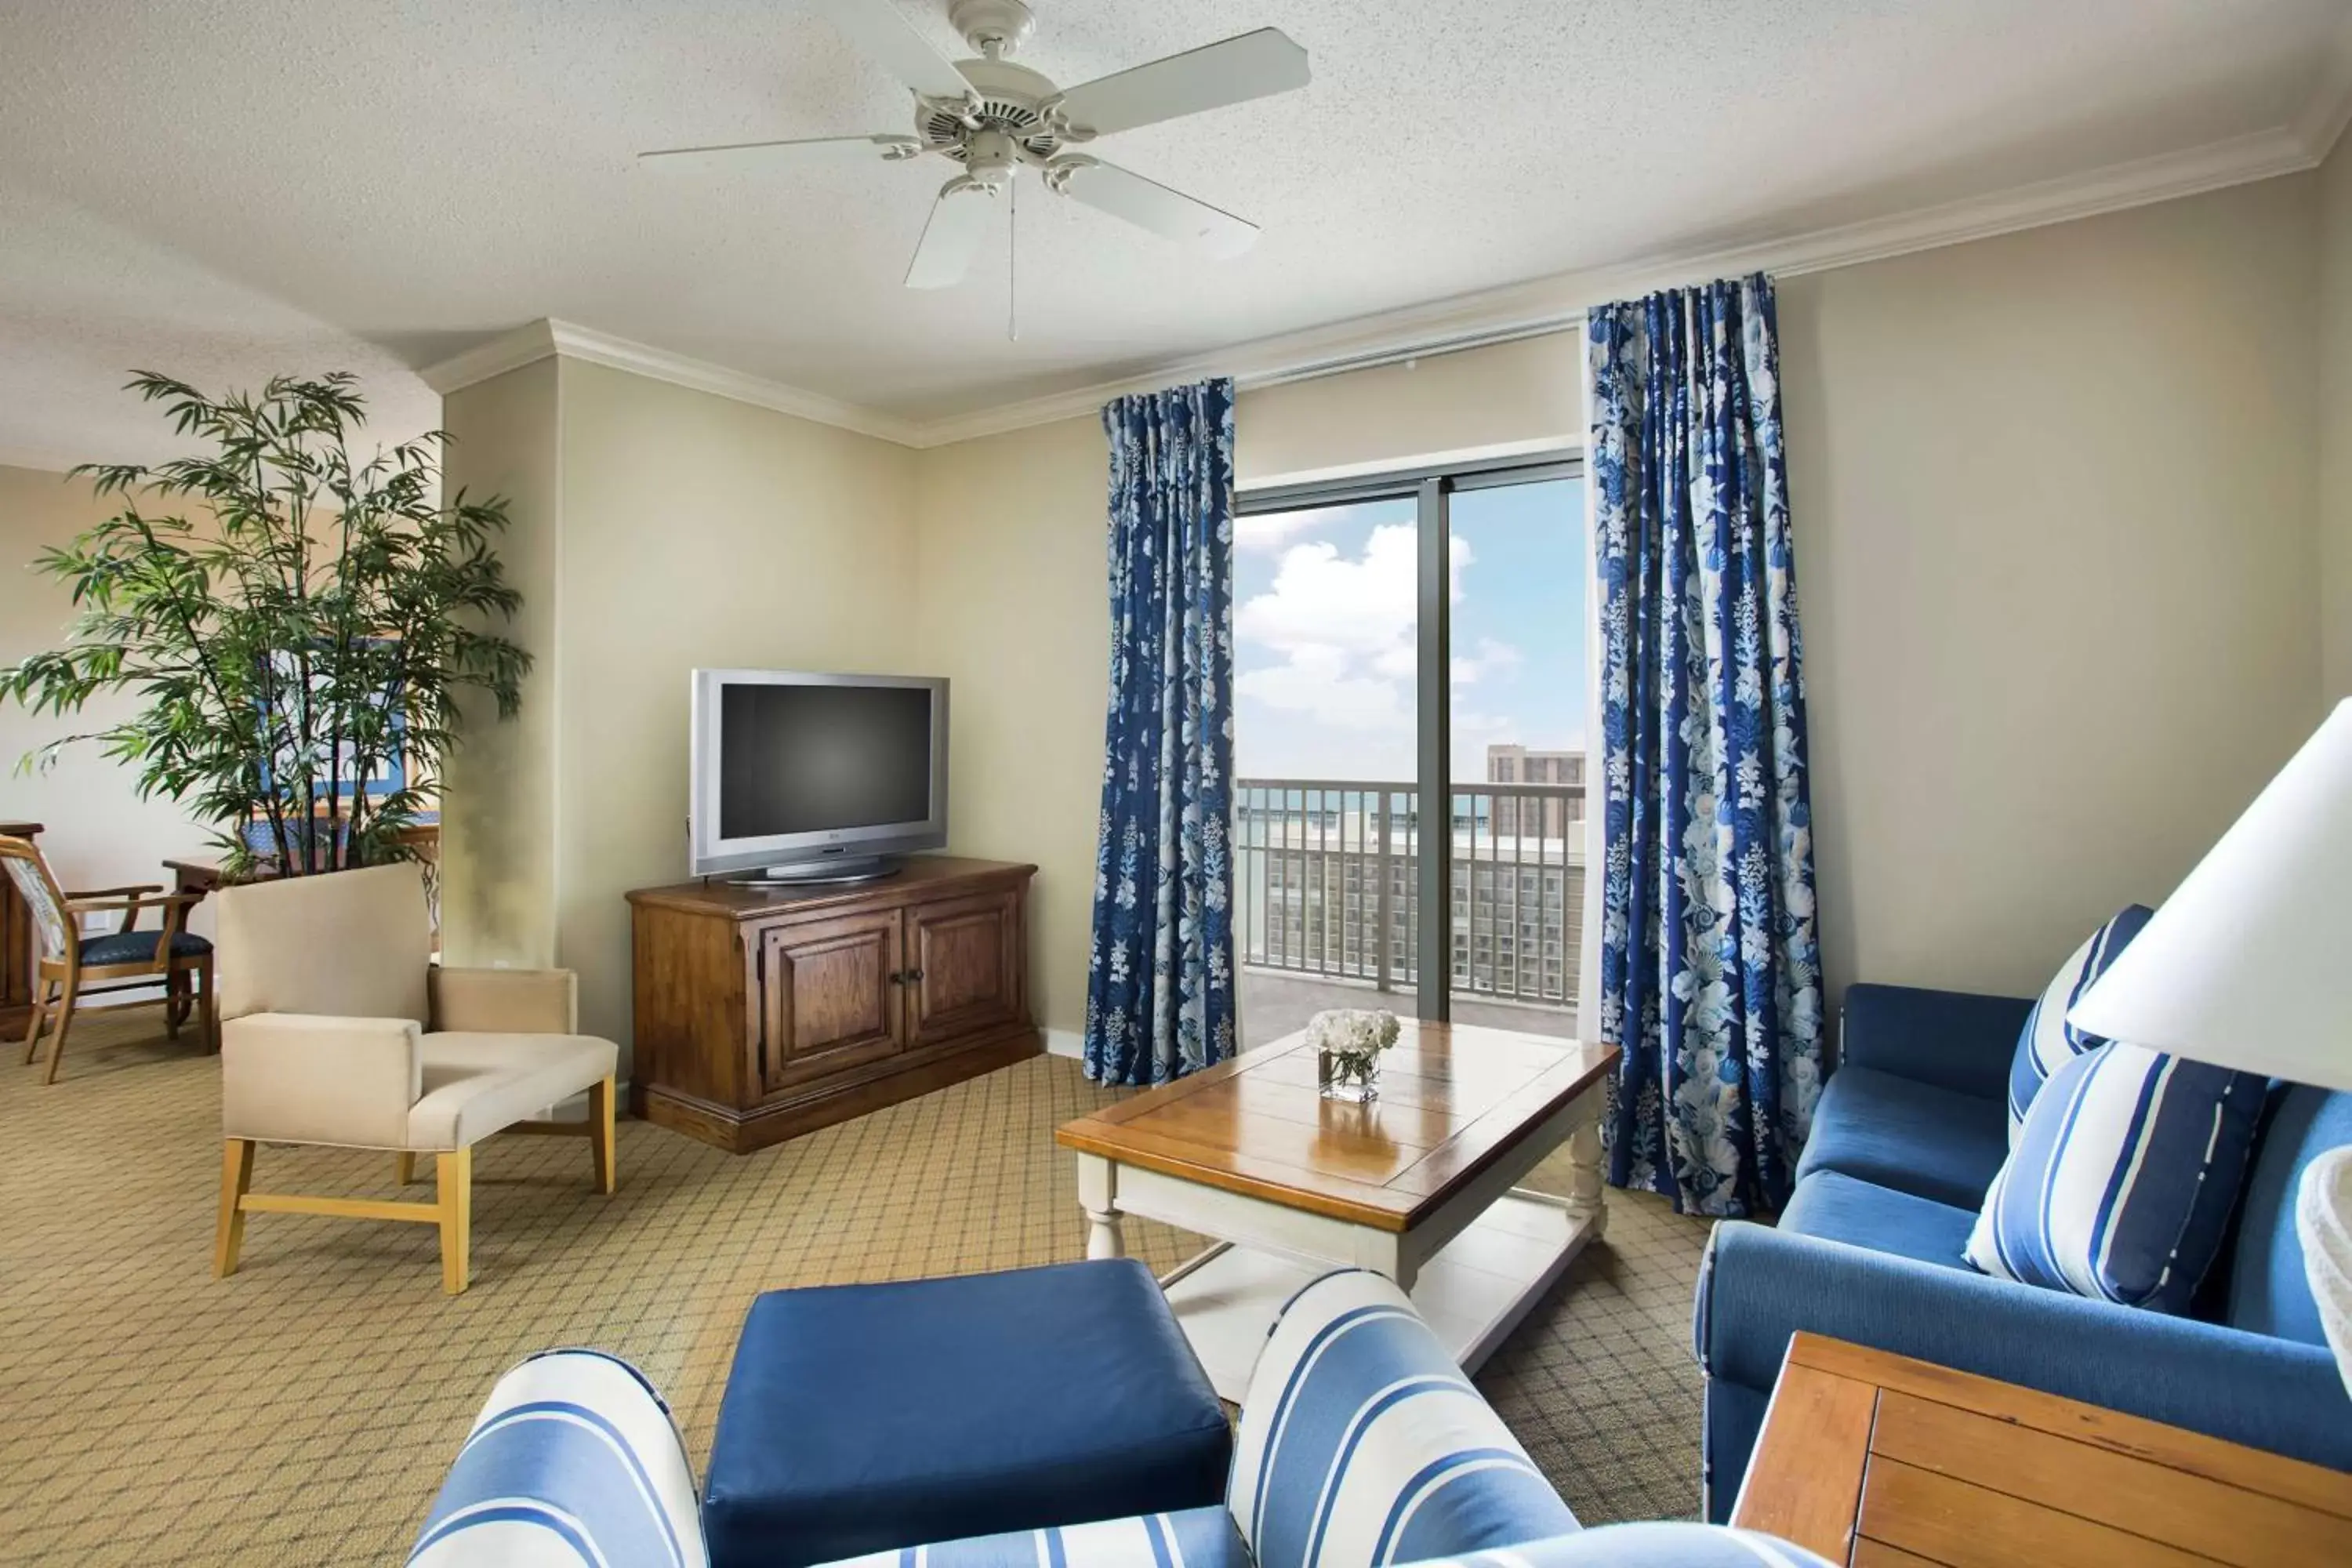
1007, 99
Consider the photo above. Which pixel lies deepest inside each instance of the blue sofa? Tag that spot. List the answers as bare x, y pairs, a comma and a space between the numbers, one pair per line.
1360, 1444
1910, 1131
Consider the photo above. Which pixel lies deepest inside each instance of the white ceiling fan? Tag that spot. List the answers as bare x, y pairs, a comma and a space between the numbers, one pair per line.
996, 118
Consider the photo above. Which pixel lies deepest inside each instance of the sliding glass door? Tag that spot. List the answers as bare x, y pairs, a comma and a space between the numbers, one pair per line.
1409, 650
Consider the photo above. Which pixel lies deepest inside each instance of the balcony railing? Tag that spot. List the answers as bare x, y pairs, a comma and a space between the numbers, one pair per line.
1327, 884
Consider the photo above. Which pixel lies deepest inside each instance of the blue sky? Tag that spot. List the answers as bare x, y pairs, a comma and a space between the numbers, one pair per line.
1324, 627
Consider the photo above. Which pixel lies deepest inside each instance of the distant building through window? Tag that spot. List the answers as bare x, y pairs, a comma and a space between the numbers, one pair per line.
1545, 817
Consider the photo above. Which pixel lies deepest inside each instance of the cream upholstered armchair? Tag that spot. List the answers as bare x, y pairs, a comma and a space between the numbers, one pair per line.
338, 1029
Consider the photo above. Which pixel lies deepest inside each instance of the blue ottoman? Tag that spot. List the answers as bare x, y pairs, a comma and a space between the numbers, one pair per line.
866, 1417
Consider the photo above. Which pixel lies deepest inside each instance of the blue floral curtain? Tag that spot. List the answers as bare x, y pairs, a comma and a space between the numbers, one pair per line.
1159, 989
1710, 973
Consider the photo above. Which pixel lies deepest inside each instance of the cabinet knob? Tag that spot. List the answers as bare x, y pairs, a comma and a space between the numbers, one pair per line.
914, 974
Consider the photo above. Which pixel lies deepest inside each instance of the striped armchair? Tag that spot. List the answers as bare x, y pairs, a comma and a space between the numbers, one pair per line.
1361, 1445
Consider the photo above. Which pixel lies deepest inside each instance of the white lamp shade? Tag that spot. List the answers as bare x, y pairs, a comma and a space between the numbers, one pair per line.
2249, 963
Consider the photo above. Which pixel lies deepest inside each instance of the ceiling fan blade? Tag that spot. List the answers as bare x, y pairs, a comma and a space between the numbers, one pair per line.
1254, 65
958, 220
885, 144
1147, 204
882, 30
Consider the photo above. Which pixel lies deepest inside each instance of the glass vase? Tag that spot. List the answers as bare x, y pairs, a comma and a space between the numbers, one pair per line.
1348, 1076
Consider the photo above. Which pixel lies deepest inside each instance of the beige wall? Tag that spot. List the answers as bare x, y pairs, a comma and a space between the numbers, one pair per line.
1520, 397
499, 809
695, 531
2055, 499
656, 530
2335, 412
99, 833
2052, 496
1013, 608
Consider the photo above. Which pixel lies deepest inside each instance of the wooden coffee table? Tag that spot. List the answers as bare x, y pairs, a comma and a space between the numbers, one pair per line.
1422, 1184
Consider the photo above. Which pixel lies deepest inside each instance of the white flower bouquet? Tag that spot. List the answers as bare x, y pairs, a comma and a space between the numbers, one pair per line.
1347, 1044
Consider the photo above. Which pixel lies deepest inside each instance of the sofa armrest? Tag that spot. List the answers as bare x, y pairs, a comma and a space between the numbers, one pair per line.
301, 1077
1190, 1538
1952, 1039
526, 1488
1355, 1391
1757, 1286
505, 1001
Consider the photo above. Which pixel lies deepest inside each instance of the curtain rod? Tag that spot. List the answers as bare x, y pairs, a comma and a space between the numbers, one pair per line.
1314, 370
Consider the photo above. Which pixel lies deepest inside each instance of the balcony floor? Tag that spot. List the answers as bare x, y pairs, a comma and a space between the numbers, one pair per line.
1274, 1003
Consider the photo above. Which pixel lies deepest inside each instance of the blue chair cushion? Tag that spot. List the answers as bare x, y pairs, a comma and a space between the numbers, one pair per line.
139, 947
1895, 1132
860, 1418
1834, 1206
2268, 1291
2122, 1183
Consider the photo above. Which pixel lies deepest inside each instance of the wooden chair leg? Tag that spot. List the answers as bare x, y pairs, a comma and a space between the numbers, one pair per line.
57, 1041
40, 1015
175, 984
601, 1140
237, 1176
204, 1002
408, 1168
455, 1173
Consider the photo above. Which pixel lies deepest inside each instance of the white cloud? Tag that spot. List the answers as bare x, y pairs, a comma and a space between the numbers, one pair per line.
1317, 679
1265, 533
1491, 657
1322, 597
1344, 628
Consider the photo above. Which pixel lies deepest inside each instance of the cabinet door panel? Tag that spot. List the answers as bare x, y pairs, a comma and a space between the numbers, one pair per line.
831, 994
964, 958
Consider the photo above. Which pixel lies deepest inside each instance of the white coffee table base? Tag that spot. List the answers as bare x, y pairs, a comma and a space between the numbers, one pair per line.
1477, 1289
1475, 1266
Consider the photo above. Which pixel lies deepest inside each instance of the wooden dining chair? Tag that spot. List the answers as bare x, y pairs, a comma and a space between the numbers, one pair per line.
71, 965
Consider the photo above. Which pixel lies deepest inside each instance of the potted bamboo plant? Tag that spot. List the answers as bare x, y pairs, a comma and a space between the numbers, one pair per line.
299, 624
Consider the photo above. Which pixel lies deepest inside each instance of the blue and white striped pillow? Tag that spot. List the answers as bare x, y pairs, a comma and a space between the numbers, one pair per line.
2121, 1184
2048, 1042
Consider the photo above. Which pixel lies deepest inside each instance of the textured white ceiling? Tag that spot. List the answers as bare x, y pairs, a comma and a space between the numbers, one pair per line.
224, 187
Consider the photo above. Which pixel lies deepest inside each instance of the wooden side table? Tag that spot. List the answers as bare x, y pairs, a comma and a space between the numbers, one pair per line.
1880, 1461
16, 950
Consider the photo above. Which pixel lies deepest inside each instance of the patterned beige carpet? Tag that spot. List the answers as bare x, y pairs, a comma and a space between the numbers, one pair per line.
304, 1411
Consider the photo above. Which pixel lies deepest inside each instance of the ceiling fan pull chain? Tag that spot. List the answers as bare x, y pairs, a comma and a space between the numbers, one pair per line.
1013, 260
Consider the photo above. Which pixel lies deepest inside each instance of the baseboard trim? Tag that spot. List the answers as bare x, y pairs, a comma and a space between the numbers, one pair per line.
1066, 1043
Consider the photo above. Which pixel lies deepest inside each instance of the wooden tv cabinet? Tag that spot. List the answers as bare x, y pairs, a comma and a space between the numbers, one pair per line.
764, 1014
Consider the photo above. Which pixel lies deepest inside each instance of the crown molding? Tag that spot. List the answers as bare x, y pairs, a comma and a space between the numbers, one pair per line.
526, 345
1532, 309
539, 340
1558, 303
36, 460
2321, 123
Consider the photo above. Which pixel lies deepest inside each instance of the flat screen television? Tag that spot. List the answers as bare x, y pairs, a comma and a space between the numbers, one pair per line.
803, 777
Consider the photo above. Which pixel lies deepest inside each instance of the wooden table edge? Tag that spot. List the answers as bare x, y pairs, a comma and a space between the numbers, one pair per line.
2279, 1476
1384, 1208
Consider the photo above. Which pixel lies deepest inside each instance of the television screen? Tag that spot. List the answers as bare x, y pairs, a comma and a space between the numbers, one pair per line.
813, 759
